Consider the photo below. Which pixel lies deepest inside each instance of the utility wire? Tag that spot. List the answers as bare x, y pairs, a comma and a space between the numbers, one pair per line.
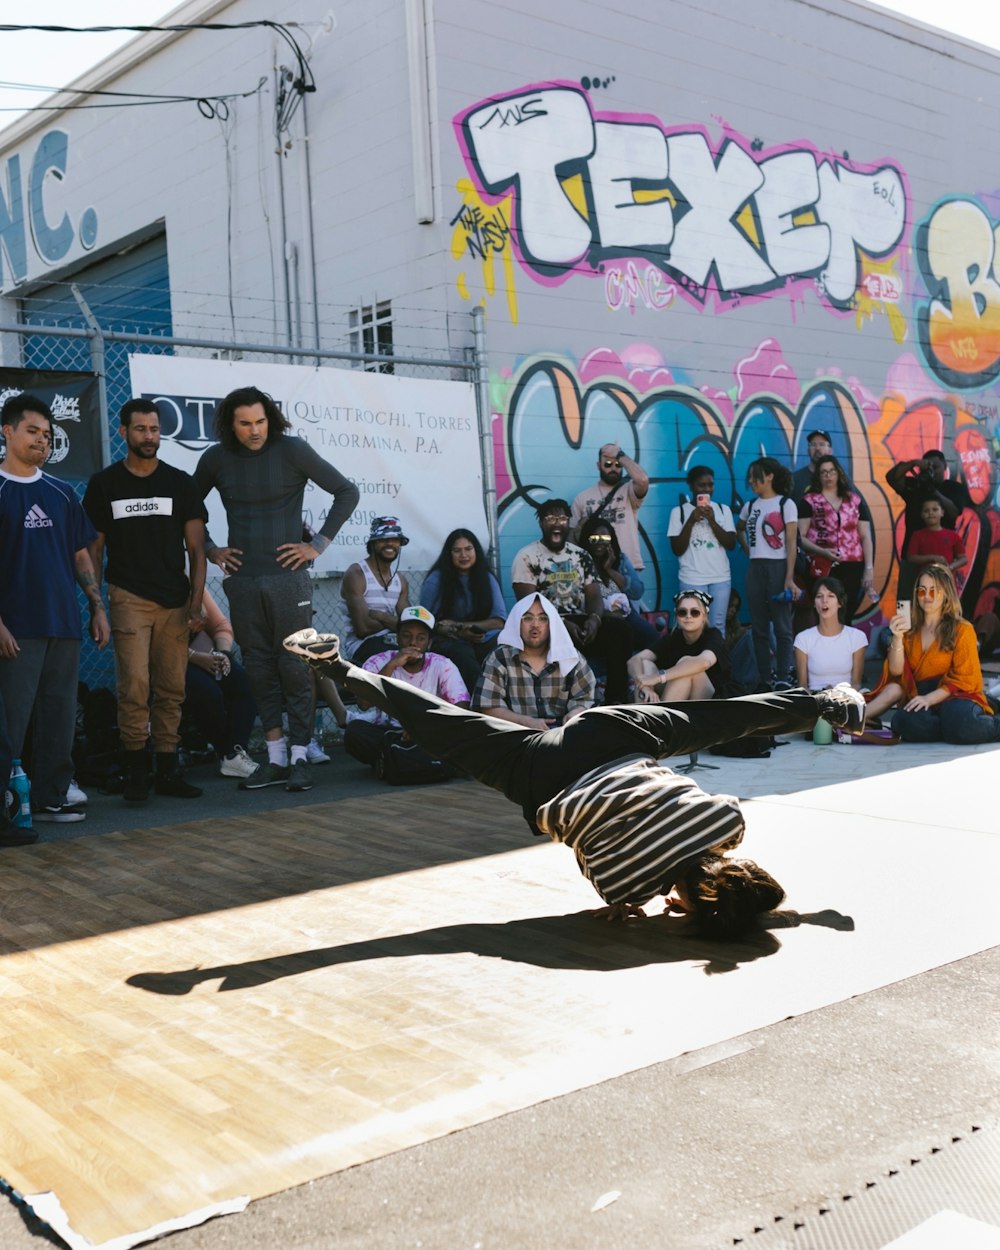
304, 82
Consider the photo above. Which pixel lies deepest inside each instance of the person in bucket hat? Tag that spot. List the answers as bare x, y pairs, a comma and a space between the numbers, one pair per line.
375, 592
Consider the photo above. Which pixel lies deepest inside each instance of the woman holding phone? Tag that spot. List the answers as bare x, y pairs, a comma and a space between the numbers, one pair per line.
931, 674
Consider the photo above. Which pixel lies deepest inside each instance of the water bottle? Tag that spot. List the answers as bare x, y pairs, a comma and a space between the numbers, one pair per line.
822, 733
19, 787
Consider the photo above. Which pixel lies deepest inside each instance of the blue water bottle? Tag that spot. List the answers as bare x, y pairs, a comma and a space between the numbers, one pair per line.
20, 788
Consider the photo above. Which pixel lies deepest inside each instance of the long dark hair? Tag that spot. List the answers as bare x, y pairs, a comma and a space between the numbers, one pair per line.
781, 478
843, 483
728, 895
246, 397
480, 587
590, 527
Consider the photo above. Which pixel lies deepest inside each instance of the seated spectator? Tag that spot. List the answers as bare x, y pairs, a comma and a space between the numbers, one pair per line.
702, 533
565, 575
931, 675
621, 586
933, 544
739, 644
465, 598
217, 698
375, 592
691, 662
367, 728
535, 676
986, 619
831, 652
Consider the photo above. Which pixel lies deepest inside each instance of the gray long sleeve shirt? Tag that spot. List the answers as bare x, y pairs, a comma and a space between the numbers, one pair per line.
262, 492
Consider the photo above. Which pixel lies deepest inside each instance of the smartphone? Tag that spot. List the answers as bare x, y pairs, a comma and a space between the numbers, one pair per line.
903, 610
703, 501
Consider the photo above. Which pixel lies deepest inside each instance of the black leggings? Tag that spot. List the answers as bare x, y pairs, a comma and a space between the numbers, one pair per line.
531, 766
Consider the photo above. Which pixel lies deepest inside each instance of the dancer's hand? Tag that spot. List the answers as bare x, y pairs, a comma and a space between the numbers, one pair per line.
619, 911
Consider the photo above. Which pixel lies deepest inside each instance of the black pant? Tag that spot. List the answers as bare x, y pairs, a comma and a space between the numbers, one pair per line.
612, 644
224, 711
530, 767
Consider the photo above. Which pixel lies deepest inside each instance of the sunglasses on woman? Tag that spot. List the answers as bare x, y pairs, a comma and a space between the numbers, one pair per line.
689, 611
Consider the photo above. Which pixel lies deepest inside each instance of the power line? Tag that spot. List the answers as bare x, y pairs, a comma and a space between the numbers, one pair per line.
300, 81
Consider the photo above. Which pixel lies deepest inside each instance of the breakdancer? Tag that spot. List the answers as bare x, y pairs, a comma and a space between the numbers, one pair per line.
637, 828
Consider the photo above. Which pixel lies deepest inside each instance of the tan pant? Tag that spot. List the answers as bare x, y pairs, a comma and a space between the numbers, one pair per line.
151, 653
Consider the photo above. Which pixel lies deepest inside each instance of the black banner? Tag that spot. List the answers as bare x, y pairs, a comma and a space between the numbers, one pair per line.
76, 430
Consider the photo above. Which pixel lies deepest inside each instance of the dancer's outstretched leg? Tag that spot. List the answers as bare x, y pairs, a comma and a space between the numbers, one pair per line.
531, 767
486, 748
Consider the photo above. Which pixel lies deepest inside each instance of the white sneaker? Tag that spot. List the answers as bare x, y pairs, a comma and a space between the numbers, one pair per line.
75, 796
315, 753
237, 764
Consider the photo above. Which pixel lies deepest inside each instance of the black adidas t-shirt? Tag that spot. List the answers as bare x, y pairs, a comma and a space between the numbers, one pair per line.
143, 519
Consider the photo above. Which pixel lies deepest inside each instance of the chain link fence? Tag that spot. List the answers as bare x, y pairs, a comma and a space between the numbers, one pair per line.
105, 351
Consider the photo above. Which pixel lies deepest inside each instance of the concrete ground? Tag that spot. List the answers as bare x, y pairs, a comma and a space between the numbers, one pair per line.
761, 1140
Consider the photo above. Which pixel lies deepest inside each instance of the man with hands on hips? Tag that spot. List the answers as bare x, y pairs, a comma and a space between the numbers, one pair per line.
261, 472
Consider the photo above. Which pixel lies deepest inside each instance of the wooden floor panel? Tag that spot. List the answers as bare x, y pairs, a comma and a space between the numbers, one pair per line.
235, 1007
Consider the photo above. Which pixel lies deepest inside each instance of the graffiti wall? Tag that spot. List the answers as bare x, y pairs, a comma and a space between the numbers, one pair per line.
703, 296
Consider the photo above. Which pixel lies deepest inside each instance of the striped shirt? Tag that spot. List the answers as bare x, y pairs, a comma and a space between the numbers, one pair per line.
633, 822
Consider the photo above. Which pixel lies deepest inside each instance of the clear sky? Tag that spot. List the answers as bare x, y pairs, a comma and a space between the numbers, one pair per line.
52, 60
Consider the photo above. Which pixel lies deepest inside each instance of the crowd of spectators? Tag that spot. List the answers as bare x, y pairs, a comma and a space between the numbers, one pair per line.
580, 631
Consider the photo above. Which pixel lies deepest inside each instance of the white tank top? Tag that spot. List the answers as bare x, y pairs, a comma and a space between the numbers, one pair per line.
381, 599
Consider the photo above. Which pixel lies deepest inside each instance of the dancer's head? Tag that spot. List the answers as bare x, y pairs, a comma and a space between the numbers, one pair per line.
724, 897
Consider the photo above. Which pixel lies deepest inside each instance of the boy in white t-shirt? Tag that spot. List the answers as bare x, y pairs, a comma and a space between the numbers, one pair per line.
767, 530
702, 534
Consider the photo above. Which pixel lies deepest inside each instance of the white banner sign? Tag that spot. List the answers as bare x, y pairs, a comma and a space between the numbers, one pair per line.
411, 445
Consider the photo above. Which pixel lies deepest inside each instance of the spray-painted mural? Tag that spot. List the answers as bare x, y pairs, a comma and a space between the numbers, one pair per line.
578, 190
662, 218
959, 326
553, 415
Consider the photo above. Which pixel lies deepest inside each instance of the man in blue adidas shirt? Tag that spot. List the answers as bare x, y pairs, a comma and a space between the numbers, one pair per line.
44, 534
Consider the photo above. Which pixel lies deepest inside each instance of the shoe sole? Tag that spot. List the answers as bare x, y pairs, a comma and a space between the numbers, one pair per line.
57, 820
299, 789
305, 650
263, 785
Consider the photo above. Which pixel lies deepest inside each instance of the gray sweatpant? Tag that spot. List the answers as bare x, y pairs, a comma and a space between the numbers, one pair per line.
264, 611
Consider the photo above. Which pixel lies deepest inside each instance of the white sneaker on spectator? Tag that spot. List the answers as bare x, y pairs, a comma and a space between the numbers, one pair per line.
74, 795
237, 764
315, 753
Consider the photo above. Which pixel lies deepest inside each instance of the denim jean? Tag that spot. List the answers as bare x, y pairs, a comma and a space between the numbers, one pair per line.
960, 721
765, 579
